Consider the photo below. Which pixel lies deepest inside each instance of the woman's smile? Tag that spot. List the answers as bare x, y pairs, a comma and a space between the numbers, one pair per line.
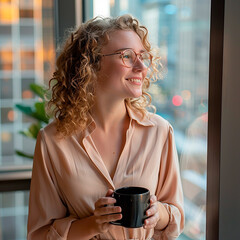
135, 81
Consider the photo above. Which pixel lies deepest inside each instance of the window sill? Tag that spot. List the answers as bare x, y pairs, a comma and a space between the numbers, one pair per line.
15, 178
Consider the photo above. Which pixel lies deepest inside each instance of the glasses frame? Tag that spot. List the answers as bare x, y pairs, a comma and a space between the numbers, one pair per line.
136, 54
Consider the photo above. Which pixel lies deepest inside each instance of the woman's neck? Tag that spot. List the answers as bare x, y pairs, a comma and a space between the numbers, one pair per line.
109, 115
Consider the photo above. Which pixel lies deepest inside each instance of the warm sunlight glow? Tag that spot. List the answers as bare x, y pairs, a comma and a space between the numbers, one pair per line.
8, 14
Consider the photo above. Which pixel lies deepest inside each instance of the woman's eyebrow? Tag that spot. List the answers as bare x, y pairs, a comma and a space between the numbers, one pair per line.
122, 49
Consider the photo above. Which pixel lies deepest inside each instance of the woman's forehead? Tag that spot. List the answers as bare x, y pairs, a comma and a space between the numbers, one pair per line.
120, 39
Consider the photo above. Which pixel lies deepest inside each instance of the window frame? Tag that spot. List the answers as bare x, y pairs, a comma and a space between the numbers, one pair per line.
14, 178
214, 118
67, 15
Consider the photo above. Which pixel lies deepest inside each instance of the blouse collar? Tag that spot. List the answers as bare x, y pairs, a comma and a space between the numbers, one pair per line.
137, 116
134, 115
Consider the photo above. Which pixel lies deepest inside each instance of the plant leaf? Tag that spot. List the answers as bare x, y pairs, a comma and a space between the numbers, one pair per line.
25, 109
40, 112
23, 154
39, 90
34, 129
26, 133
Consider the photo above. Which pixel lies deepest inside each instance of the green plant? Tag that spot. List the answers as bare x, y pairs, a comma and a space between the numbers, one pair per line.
36, 112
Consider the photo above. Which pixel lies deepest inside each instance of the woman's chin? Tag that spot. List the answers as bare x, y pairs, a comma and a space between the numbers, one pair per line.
136, 95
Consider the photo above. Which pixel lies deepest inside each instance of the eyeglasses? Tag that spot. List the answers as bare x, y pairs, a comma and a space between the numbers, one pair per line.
129, 57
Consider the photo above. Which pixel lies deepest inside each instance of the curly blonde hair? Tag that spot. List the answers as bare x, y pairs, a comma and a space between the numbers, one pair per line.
74, 81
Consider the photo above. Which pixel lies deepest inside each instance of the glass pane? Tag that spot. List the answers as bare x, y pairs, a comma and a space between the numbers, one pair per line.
13, 215
27, 55
180, 30
6, 88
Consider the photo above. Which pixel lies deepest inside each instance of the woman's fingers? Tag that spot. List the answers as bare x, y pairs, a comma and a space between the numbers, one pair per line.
104, 201
151, 221
109, 193
108, 218
152, 210
107, 210
153, 199
152, 213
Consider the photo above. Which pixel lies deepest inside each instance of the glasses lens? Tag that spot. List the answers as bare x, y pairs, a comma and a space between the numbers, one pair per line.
128, 57
147, 59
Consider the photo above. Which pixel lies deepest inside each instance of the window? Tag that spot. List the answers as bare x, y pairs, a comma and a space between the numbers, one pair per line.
27, 55
181, 32
22, 30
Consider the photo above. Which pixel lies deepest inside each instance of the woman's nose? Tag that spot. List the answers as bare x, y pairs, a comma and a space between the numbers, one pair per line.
139, 65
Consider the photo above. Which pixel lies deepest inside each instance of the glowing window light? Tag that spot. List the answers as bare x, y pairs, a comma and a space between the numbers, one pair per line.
11, 115
27, 94
186, 95
8, 13
6, 137
177, 100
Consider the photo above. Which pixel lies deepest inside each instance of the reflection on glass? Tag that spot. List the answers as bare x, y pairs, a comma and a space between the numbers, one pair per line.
180, 32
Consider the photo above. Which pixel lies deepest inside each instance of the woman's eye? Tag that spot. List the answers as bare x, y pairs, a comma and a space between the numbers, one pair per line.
126, 56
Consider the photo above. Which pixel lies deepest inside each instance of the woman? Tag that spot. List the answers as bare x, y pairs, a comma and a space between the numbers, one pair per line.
103, 138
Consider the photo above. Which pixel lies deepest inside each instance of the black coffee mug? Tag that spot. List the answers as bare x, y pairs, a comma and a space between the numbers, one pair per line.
134, 202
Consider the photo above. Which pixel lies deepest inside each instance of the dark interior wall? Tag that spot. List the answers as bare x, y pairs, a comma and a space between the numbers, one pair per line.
229, 221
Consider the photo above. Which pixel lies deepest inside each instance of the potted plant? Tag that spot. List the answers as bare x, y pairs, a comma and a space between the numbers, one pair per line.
36, 112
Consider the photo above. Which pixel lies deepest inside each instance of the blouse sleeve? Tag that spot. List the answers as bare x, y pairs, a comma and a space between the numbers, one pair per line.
169, 190
48, 217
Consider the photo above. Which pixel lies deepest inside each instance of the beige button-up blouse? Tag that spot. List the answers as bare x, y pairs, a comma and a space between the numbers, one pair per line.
69, 176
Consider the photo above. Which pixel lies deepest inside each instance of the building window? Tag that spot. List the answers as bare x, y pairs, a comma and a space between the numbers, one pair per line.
27, 55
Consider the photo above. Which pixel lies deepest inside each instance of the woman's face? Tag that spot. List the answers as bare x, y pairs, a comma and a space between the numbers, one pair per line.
114, 78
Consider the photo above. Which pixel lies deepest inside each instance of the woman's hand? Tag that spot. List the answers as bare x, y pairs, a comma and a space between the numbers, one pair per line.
105, 212
157, 215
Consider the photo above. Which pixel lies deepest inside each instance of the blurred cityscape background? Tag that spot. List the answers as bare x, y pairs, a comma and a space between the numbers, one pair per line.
178, 28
